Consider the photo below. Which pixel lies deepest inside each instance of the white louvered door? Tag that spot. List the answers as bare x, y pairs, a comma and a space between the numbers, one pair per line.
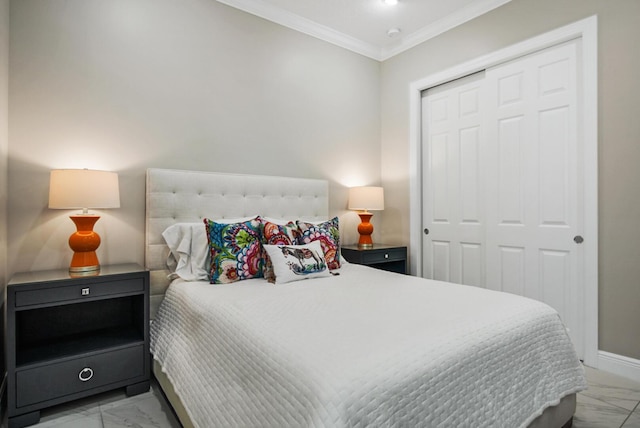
503, 198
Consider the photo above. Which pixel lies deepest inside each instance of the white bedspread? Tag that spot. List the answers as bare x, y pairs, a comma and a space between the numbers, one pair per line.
365, 348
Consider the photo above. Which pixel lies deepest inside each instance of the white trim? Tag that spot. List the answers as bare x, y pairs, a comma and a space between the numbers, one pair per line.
587, 30
590, 136
296, 22
442, 25
304, 25
619, 365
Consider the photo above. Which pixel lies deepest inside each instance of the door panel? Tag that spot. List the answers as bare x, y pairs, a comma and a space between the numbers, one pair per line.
441, 253
453, 184
472, 263
532, 143
554, 277
510, 179
469, 175
441, 177
553, 172
511, 269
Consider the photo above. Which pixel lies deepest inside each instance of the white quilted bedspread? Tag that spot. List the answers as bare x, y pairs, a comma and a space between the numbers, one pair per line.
365, 348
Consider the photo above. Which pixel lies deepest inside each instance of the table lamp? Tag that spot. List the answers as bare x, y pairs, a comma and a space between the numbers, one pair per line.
83, 189
364, 199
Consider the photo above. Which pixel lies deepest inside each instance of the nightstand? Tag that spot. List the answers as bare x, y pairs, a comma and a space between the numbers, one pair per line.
386, 257
68, 338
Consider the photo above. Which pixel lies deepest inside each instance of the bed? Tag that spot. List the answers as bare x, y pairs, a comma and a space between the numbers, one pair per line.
358, 347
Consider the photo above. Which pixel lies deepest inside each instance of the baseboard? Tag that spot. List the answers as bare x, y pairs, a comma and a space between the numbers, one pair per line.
619, 365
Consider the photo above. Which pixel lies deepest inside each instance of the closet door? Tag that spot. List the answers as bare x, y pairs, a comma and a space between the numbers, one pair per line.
533, 195
452, 181
502, 193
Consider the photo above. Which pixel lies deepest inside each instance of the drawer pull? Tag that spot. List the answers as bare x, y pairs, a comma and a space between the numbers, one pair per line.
85, 374
386, 256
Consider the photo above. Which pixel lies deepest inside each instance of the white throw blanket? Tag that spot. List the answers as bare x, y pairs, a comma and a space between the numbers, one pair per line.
365, 348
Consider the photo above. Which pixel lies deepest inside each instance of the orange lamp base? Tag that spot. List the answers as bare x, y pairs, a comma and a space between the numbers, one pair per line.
365, 229
84, 243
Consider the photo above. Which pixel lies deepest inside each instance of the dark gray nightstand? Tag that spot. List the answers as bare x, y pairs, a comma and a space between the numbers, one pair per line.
68, 338
392, 258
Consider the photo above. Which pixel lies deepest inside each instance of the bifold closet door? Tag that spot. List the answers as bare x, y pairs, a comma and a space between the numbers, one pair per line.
502, 200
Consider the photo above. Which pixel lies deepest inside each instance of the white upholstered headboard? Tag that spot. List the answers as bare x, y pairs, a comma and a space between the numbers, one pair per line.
175, 196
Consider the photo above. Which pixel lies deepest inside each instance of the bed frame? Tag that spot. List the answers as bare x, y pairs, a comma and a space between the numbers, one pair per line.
175, 196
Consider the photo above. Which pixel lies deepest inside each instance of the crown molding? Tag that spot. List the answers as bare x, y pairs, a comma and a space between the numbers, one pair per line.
296, 22
442, 25
306, 26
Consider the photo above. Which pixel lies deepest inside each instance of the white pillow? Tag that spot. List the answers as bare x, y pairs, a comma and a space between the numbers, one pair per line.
296, 262
189, 251
189, 256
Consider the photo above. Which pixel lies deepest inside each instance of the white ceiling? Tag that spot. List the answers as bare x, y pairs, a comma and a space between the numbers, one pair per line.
362, 25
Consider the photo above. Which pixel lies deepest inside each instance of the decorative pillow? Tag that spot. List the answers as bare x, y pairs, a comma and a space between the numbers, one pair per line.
328, 233
296, 262
236, 251
276, 234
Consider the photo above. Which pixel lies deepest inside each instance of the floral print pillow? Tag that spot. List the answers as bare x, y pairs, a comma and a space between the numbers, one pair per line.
328, 233
236, 250
276, 234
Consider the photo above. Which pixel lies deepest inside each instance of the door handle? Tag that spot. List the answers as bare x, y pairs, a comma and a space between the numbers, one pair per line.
426, 231
578, 239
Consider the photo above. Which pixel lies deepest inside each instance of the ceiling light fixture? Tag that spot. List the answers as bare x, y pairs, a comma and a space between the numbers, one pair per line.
390, 2
393, 32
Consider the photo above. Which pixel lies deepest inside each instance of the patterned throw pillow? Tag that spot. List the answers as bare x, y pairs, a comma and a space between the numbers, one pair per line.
276, 234
236, 251
328, 233
296, 262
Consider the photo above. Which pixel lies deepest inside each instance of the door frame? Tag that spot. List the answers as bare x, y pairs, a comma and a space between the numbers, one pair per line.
587, 31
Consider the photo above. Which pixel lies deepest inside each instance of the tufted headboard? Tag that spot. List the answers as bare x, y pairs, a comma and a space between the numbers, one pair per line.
175, 196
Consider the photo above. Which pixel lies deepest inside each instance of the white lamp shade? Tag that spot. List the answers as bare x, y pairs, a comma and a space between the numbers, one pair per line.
83, 188
366, 198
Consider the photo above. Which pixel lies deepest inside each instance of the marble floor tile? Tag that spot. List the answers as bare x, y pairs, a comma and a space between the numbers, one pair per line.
88, 412
80, 408
73, 421
593, 413
612, 389
120, 397
634, 420
83, 412
148, 410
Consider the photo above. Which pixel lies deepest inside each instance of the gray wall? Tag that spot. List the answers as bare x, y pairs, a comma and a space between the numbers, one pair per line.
126, 85
4, 144
619, 135
4, 135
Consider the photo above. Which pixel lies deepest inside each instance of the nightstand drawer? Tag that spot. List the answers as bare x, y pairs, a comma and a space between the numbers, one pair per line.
78, 291
391, 258
60, 379
387, 255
